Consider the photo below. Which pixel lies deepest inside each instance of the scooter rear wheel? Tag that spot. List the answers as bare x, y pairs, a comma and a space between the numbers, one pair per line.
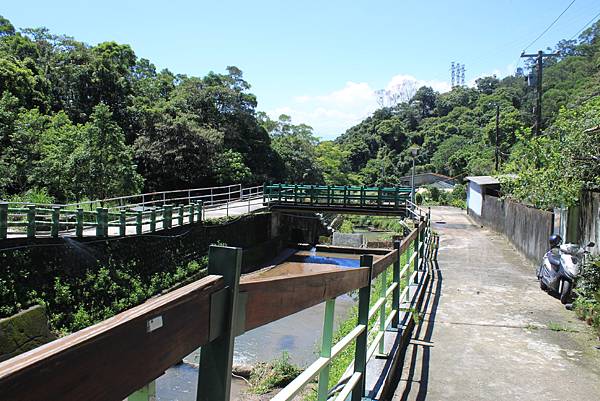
565, 293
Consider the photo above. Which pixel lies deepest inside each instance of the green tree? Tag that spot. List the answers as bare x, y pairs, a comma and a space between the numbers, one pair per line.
103, 163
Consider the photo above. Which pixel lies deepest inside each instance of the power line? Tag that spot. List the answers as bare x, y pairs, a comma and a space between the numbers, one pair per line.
549, 26
585, 26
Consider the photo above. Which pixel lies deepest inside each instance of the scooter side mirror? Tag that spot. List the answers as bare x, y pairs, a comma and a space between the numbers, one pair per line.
591, 244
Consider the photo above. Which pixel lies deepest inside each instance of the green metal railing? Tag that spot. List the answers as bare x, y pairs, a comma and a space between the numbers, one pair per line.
336, 196
367, 341
34, 221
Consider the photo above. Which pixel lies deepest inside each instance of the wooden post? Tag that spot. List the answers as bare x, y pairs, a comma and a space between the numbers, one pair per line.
122, 223
180, 216
138, 222
192, 213
30, 221
55, 221
216, 358
396, 293
79, 222
326, 345
200, 210
360, 353
3, 220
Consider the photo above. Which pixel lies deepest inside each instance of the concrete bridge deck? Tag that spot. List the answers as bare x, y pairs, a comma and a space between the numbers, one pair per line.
487, 329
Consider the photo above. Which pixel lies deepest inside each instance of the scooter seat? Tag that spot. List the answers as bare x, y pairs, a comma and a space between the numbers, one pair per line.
554, 260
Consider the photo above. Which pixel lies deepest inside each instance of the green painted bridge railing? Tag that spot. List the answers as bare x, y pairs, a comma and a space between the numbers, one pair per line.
336, 197
147, 213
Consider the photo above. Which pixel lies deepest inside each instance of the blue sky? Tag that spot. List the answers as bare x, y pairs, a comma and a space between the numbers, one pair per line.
319, 61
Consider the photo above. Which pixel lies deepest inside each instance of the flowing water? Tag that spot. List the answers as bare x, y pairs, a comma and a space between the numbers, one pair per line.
297, 334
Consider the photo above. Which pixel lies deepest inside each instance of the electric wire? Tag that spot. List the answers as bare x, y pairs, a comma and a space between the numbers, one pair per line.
585, 26
549, 26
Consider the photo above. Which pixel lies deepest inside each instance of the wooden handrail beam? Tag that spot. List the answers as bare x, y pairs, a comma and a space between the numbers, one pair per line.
114, 358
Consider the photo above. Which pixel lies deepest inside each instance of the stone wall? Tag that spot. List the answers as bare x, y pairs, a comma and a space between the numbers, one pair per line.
527, 228
23, 332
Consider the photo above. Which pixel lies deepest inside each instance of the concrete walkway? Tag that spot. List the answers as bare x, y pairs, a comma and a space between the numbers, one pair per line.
487, 329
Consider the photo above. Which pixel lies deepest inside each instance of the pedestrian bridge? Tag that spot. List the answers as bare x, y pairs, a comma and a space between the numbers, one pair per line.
394, 201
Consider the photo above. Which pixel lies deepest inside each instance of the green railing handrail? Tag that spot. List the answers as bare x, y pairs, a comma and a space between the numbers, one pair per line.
364, 351
57, 219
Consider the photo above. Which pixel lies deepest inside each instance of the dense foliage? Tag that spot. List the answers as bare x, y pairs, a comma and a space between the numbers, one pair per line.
82, 121
456, 131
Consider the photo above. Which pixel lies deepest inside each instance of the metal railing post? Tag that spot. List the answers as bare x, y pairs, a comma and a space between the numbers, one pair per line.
98, 222
167, 216
382, 291
3, 220
180, 216
55, 221
216, 358
79, 222
326, 345
396, 293
122, 223
417, 242
153, 220
30, 221
360, 353
146, 393
105, 222
138, 222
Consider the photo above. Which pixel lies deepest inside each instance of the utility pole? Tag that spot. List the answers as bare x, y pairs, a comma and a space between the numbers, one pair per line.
497, 135
537, 127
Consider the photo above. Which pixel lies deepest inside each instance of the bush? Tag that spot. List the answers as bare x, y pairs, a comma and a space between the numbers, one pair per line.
587, 304
418, 198
268, 376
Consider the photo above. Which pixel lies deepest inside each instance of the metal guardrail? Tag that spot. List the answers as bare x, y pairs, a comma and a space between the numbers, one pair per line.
336, 197
148, 215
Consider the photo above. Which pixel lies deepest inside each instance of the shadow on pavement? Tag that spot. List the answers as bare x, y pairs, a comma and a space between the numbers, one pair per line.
419, 348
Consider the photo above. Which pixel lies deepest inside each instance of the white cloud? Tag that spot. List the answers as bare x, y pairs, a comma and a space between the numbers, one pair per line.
331, 114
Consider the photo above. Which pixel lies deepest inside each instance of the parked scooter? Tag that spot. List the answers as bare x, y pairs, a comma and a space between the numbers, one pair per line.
561, 267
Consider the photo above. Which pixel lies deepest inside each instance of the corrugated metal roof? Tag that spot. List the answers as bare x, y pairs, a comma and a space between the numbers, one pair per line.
483, 180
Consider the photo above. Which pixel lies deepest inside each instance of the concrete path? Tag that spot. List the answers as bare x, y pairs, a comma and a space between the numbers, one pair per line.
487, 330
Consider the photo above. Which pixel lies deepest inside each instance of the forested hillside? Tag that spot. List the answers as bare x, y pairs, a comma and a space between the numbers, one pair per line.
456, 131
80, 121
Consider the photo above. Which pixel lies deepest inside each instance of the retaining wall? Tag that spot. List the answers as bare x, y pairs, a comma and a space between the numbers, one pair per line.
527, 228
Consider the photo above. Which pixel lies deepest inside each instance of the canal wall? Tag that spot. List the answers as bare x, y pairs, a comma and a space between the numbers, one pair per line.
81, 281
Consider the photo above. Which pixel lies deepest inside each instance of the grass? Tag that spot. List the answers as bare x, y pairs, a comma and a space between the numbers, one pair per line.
560, 327
268, 376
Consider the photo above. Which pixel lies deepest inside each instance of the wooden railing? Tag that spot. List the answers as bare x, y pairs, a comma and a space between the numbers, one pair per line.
115, 358
328, 197
152, 212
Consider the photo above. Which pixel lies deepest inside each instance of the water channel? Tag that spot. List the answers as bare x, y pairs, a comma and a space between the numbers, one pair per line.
297, 334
